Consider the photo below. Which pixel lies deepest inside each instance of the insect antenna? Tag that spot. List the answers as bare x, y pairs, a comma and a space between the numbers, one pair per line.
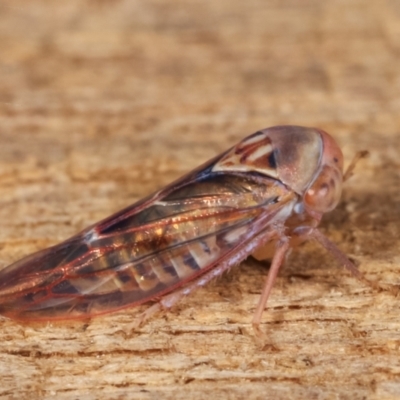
358, 156
341, 257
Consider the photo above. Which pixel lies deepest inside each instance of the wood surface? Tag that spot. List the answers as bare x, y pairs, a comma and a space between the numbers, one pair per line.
103, 102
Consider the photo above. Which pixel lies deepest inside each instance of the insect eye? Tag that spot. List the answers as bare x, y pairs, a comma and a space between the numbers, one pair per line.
324, 193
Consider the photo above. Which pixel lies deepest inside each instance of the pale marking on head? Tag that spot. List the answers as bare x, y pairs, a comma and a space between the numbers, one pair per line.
254, 139
261, 151
250, 155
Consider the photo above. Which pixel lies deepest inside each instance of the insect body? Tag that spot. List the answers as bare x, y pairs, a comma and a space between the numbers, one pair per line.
274, 186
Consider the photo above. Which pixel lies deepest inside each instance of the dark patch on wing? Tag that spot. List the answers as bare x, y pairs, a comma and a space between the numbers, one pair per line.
64, 287
189, 260
205, 247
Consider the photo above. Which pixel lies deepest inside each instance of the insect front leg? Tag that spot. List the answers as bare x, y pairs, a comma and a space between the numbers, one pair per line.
283, 245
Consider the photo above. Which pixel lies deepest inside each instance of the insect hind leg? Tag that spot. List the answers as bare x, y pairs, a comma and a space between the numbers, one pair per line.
283, 245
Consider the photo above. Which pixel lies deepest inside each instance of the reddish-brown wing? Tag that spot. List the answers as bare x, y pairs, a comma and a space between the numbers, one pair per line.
145, 251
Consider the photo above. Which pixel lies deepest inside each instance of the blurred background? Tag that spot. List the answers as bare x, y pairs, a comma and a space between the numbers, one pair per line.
94, 89
105, 101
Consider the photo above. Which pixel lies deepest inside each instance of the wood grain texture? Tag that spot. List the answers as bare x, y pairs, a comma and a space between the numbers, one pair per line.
103, 102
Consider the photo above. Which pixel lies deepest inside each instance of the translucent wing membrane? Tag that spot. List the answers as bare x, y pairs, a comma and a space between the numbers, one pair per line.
145, 251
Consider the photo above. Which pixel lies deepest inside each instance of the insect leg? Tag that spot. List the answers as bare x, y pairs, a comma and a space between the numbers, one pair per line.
283, 246
349, 171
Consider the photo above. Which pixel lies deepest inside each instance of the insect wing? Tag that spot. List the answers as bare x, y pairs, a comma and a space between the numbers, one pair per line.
143, 252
